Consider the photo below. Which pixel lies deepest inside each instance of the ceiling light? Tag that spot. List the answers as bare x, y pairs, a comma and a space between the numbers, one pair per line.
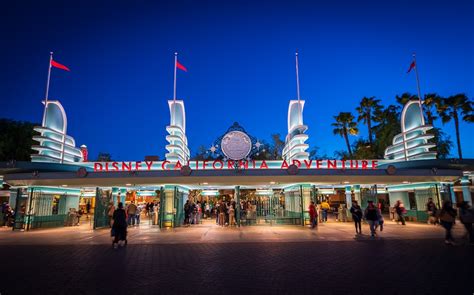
272, 182
128, 184
205, 183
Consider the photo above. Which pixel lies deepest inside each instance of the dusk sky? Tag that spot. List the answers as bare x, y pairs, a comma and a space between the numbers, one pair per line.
240, 61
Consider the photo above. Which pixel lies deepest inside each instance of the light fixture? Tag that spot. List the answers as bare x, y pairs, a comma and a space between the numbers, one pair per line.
346, 182
272, 182
128, 184
406, 181
205, 183
64, 185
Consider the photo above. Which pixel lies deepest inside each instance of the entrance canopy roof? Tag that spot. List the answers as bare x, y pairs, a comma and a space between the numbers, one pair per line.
213, 178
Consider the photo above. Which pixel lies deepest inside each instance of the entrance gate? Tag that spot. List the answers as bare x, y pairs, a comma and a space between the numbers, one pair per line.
102, 201
271, 208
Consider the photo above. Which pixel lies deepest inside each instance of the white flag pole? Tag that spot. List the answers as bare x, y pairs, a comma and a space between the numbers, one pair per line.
47, 88
298, 89
175, 64
418, 89
173, 109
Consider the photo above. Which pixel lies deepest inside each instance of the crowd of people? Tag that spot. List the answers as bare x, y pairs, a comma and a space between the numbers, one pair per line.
224, 211
372, 215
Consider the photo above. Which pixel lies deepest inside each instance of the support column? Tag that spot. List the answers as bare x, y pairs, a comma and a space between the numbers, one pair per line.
161, 212
356, 189
314, 193
237, 204
348, 202
466, 193
115, 193
30, 206
17, 208
167, 208
305, 201
302, 206
96, 201
452, 194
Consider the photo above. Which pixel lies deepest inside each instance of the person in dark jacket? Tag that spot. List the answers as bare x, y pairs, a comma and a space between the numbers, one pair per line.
400, 210
119, 227
466, 215
447, 218
313, 215
371, 214
431, 210
357, 216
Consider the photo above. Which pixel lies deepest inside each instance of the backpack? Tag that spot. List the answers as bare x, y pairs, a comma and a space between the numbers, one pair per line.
371, 214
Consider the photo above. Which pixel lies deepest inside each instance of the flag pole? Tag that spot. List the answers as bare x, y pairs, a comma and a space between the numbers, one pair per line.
418, 88
298, 88
47, 88
174, 90
175, 63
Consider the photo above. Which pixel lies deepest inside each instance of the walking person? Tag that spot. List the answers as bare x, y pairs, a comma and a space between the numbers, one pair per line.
138, 213
151, 212
401, 211
381, 220
231, 216
199, 212
186, 213
342, 213
325, 207
131, 213
447, 218
110, 212
431, 211
357, 216
466, 215
119, 227
371, 214
318, 213
222, 211
88, 208
312, 215
207, 210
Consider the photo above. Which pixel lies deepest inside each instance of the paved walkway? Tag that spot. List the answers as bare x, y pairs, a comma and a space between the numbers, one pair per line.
210, 233
207, 259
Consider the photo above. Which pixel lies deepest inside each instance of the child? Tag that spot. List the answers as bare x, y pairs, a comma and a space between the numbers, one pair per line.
380, 217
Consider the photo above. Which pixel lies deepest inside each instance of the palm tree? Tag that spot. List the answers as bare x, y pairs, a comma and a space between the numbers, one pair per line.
452, 108
345, 125
388, 126
431, 106
405, 97
367, 108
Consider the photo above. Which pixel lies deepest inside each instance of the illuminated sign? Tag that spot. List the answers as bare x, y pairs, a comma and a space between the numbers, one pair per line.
233, 165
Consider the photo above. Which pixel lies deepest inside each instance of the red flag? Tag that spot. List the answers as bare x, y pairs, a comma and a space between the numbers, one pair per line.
59, 66
180, 66
412, 65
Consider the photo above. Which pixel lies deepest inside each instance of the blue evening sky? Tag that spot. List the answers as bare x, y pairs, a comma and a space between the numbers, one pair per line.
240, 60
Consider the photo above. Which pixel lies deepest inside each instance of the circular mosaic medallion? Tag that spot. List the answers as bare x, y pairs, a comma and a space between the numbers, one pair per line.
236, 145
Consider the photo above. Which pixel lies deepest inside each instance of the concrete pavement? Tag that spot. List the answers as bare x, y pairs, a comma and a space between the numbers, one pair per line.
208, 232
207, 259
